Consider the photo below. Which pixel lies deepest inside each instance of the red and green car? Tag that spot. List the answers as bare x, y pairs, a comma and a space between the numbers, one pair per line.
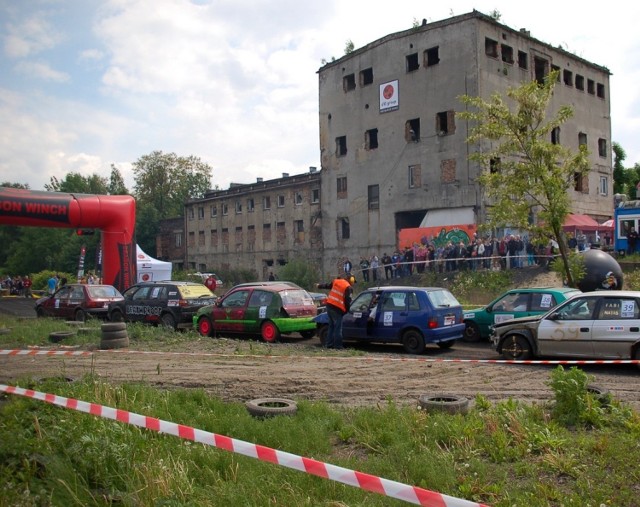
265, 309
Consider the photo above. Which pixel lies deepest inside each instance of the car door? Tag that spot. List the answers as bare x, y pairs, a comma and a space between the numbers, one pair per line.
76, 300
228, 315
259, 308
62, 302
566, 332
136, 308
511, 306
616, 327
391, 316
355, 323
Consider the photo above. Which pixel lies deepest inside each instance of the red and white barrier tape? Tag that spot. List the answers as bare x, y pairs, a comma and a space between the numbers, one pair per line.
393, 489
42, 352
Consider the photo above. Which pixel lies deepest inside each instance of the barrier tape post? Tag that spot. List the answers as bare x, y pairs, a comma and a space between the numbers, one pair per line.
400, 491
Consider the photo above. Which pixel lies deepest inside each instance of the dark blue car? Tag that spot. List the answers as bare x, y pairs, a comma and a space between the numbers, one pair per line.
412, 316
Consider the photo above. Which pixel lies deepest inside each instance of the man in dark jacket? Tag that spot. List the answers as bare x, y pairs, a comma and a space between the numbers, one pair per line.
338, 303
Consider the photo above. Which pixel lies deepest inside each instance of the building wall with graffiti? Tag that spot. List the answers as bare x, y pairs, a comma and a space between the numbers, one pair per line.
437, 236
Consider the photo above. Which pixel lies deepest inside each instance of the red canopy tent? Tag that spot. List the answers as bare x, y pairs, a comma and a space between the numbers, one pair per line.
607, 224
582, 223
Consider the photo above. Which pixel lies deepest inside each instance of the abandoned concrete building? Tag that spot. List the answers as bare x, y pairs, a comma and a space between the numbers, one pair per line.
393, 153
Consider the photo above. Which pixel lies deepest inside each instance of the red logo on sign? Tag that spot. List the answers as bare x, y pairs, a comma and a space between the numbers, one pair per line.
388, 92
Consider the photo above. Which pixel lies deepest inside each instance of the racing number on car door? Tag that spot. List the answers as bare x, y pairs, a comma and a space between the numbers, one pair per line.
570, 332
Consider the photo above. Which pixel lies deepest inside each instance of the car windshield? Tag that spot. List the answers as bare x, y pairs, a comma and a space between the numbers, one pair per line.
103, 291
442, 298
296, 297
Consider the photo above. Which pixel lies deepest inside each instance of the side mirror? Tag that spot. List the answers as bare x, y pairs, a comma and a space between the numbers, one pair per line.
554, 316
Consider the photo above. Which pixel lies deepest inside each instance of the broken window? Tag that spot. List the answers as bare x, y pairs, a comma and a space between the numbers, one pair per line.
412, 130
341, 146
250, 205
600, 90
238, 207
582, 139
281, 201
578, 182
541, 68
494, 165
315, 196
555, 135
266, 202
445, 123
507, 53
366, 77
281, 232
225, 209
415, 176
344, 232
298, 229
200, 212
373, 196
214, 210
432, 56
178, 240
602, 147
412, 62
491, 47
567, 77
591, 86
555, 68
371, 139
298, 198
341, 187
192, 214
579, 82
523, 60
349, 82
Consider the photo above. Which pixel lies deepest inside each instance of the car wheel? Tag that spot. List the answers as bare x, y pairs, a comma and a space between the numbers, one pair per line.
446, 345
205, 326
40, 311
80, 315
266, 407
168, 321
307, 334
413, 342
109, 327
471, 333
446, 403
322, 334
270, 332
516, 347
116, 316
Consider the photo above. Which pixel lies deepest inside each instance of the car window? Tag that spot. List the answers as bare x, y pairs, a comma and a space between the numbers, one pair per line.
260, 298
77, 293
394, 301
442, 298
141, 293
158, 293
296, 297
542, 301
236, 300
106, 291
618, 309
412, 301
510, 302
362, 302
578, 309
63, 293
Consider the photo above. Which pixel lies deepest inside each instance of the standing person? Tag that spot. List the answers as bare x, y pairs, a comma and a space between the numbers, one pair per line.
388, 270
338, 303
26, 285
364, 266
52, 283
632, 240
347, 266
375, 264
272, 277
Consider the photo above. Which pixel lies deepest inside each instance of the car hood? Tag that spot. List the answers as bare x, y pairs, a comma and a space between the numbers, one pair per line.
519, 322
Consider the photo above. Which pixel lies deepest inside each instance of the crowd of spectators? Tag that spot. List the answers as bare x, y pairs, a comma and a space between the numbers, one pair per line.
17, 286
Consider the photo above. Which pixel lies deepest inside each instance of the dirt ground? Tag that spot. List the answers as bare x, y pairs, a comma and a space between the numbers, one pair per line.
301, 370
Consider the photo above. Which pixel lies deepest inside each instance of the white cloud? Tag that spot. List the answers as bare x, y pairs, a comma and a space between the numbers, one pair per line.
30, 37
41, 70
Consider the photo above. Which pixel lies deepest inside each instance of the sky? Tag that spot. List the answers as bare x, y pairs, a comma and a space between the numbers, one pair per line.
85, 84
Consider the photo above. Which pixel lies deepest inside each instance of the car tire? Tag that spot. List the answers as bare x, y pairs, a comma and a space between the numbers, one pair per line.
446, 403
516, 347
116, 316
40, 311
322, 334
113, 326
446, 345
307, 335
205, 326
114, 335
80, 315
413, 341
600, 393
471, 333
269, 332
58, 336
168, 321
268, 407
114, 343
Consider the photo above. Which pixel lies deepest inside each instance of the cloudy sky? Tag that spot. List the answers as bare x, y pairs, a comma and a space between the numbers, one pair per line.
89, 83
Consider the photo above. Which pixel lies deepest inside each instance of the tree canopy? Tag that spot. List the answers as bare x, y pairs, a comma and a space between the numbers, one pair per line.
526, 171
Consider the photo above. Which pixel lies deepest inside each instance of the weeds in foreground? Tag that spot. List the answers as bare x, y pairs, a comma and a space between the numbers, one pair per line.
503, 454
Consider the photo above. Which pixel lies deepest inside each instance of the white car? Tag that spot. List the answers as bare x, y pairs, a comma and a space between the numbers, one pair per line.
598, 325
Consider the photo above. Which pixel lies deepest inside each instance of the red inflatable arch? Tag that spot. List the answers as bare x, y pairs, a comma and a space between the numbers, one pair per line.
114, 215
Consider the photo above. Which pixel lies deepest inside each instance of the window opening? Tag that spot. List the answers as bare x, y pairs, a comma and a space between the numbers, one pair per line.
412, 130
579, 82
371, 139
541, 69
281, 201
373, 196
344, 228
602, 147
341, 146
366, 77
591, 86
555, 135
341, 184
523, 60
349, 82
491, 47
507, 53
600, 90
567, 77
412, 62
432, 56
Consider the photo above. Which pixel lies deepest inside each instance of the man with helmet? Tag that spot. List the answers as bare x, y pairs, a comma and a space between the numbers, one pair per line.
338, 303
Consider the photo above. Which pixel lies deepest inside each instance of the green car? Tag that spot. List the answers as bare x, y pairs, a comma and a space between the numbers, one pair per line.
267, 309
512, 304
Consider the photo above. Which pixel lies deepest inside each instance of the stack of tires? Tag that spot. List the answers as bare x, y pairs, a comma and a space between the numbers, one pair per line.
114, 335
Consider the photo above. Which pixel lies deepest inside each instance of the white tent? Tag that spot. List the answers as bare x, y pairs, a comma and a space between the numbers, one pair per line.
150, 269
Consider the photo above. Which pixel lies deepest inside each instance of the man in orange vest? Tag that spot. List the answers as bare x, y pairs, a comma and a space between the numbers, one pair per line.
338, 303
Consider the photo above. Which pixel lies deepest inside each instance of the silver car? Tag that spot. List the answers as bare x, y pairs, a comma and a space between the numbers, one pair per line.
599, 325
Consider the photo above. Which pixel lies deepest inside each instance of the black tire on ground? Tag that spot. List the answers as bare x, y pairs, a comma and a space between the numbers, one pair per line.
447, 403
118, 343
80, 315
168, 321
114, 335
516, 347
600, 393
322, 334
413, 341
58, 336
307, 334
113, 326
116, 316
446, 345
61, 378
267, 407
471, 333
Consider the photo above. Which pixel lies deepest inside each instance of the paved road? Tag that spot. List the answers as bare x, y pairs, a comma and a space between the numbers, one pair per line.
17, 307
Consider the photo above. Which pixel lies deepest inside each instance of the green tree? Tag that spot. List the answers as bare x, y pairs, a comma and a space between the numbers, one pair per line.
299, 270
349, 47
78, 184
116, 182
147, 227
524, 171
619, 173
166, 181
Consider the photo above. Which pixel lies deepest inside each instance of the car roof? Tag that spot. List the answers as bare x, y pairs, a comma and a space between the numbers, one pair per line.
289, 285
612, 293
538, 289
403, 287
167, 282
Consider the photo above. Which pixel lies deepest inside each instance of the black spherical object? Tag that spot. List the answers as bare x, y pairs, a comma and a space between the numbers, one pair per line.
602, 272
